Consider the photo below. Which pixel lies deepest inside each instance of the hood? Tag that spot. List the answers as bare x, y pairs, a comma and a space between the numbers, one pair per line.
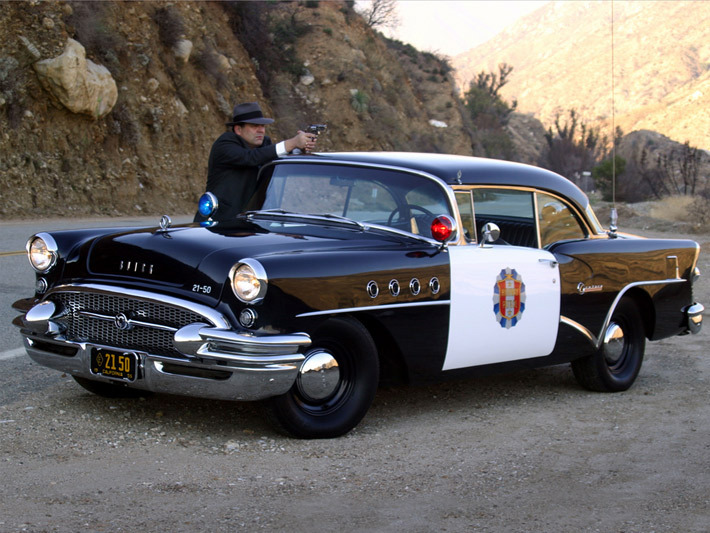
191, 255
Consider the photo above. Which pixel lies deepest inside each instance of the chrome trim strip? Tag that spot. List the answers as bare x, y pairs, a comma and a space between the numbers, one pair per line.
580, 328
597, 340
623, 291
372, 308
130, 321
217, 319
251, 360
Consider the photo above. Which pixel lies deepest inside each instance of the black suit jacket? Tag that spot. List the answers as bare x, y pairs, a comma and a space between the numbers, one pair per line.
232, 171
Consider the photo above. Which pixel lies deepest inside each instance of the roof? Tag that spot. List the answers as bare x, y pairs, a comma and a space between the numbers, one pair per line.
465, 170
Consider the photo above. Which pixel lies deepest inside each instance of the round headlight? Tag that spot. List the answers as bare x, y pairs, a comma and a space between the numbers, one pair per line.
207, 204
42, 252
249, 281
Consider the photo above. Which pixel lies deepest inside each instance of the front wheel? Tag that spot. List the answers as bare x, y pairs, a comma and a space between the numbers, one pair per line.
615, 365
336, 383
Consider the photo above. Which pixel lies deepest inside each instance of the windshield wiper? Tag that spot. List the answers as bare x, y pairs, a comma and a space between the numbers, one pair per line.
309, 216
337, 218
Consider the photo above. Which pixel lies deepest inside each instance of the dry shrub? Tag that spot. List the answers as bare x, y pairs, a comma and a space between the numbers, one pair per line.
673, 208
699, 212
92, 27
207, 61
170, 25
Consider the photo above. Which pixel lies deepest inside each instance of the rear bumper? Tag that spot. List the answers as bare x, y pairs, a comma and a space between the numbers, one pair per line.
694, 317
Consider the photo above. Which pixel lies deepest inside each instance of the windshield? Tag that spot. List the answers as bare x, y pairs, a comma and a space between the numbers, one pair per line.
399, 200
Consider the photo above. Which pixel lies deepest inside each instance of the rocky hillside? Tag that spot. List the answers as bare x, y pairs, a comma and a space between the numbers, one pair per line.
562, 59
74, 144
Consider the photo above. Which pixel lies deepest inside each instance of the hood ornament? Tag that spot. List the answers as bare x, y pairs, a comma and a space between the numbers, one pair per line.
165, 223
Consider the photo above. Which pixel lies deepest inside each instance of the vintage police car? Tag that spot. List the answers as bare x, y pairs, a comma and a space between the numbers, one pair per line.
350, 267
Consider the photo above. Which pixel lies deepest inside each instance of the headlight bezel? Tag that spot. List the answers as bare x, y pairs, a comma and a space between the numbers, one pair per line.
248, 280
42, 245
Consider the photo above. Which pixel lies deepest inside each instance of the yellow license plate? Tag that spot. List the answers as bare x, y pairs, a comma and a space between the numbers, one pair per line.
114, 364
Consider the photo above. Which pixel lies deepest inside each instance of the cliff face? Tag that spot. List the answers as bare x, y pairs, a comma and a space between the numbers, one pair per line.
562, 59
179, 67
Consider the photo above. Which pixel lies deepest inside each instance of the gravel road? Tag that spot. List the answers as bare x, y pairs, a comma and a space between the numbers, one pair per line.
528, 451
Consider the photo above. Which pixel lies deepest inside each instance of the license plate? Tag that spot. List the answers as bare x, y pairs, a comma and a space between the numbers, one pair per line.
114, 364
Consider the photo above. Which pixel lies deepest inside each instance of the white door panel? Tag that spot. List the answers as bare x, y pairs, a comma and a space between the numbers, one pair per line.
505, 305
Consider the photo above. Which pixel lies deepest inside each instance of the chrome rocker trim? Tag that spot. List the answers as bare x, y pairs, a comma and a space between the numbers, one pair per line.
221, 364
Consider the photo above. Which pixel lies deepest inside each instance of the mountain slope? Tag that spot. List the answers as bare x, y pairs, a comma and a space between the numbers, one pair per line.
305, 62
562, 59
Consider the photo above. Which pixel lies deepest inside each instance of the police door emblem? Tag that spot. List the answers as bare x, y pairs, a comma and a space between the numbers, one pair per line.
508, 298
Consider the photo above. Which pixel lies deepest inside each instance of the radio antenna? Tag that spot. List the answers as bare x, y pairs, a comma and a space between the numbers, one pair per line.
614, 215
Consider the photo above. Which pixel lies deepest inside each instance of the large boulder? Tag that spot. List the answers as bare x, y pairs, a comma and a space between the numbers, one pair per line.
78, 83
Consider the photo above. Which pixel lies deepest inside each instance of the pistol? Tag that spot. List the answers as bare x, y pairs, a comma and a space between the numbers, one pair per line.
316, 128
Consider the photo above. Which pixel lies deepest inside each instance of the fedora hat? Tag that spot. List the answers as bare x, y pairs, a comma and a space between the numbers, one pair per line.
249, 113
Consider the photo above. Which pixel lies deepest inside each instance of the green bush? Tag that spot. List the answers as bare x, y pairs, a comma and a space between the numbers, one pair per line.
360, 101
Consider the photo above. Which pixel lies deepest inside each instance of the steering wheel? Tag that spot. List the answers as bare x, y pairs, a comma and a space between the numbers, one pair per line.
412, 207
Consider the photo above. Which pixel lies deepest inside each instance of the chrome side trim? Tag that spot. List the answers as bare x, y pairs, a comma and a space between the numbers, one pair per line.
580, 328
597, 340
623, 291
372, 308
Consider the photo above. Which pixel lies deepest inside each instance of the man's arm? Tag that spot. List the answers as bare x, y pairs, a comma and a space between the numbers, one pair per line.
304, 141
229, 151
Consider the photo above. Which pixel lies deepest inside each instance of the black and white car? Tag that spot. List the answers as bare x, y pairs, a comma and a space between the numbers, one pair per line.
348, 268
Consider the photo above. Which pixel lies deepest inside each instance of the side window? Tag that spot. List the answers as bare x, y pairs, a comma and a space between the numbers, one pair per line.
557, 221
512, 210
463, 200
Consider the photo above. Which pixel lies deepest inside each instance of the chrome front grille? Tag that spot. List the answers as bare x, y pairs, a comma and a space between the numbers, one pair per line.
90, 317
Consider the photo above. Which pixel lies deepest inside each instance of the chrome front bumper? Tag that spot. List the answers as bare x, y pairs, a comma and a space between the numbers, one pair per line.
219, 363
251, 378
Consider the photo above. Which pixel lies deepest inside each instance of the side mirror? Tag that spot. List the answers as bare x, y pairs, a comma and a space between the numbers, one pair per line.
491, 233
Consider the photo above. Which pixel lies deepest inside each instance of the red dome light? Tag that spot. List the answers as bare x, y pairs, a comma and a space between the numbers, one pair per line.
441, 228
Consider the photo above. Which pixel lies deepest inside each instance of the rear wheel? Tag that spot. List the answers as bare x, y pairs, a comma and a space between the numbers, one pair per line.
335, 386
615, 365
109, 390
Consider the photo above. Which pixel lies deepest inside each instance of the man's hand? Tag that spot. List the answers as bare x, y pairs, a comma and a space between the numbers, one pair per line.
304, 141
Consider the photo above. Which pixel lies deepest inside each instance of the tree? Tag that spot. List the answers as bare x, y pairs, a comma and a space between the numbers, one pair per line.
605, 173
573, 146
674, 173
489, 112
380, 13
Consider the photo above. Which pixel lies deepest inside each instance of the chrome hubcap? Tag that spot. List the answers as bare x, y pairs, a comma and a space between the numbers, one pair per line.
319, 376
613, 344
